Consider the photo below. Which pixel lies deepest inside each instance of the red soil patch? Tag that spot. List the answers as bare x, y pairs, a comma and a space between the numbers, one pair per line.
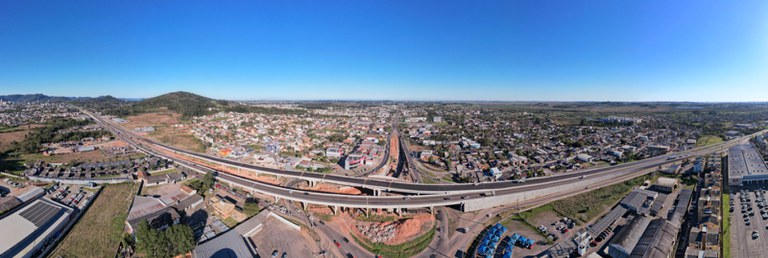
331, 188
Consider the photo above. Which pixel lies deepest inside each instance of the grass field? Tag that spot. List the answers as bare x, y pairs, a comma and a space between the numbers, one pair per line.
708, 140
726, 223
10, 134
587, 206
408, 249
163, 120
100, 229
165, 172
90, 156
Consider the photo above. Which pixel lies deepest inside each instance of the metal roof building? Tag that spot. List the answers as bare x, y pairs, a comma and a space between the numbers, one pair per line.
745, 166
227, 245
29, 228
624, 242
657, 240
235, 242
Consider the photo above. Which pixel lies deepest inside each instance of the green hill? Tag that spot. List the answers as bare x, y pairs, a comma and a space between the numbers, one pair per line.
185, 103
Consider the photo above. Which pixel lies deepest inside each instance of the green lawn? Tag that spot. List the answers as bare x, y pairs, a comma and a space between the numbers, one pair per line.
165, 172
726, 224
708, 140
230, 222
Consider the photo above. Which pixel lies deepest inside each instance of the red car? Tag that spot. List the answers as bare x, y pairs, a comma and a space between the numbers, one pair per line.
337, 243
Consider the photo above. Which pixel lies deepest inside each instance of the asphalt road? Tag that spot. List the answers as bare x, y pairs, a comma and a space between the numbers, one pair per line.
407, 187
453, 194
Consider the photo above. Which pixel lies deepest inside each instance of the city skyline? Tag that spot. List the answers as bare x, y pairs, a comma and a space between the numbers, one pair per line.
491, 51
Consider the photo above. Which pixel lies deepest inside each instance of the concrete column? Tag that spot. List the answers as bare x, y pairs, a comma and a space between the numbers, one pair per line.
367, 212
431, 210
335, 210
304, 206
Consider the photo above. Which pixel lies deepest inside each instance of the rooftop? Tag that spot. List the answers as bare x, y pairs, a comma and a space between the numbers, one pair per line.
624, 242
27, 225
744, 160
657, 240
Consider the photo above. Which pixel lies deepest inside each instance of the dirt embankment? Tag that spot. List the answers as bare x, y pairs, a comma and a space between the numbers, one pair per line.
331, 188
395, 232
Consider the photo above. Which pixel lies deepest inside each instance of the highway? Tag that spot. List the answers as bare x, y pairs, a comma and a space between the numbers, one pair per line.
450, 194
395, 185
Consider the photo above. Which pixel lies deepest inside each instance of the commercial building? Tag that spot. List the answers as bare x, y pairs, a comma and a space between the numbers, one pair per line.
353, 160
334, 152
665, 185
624, 242
657, 240
238, 242
745, 166
154, 211
32, 228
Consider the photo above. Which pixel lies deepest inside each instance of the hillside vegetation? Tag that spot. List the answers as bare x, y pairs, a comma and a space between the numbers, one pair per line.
181, 102
184, 103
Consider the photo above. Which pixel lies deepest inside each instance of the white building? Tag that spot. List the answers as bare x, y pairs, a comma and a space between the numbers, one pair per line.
333, 152
28, 229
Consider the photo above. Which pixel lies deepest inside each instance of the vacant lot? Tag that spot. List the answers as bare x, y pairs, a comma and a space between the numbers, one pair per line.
708, 139
163, 120
587, 206
90, 156
8, 135
100, 229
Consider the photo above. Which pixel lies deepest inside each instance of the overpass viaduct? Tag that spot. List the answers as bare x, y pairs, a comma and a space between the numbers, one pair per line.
468, 197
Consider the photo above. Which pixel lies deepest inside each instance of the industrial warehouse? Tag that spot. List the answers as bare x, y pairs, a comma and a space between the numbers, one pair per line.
745, 166
32, 228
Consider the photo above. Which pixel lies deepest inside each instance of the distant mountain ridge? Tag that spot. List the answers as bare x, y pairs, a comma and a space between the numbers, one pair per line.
33, 98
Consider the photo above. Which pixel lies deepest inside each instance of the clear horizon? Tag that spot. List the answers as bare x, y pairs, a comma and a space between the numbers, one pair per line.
349, 50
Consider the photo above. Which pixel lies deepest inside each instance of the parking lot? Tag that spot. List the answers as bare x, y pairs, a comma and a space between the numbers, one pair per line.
747, 217
277, 236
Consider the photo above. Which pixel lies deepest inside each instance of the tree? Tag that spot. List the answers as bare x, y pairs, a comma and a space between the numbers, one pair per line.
175, 240
250, 208
208, 181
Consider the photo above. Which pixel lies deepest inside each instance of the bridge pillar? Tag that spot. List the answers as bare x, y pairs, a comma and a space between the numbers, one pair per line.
367, 212
335, 210
277, 199
432, 210
304, 206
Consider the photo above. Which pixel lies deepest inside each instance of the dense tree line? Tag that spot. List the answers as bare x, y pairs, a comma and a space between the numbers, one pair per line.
50, 133
174, 240
239, 108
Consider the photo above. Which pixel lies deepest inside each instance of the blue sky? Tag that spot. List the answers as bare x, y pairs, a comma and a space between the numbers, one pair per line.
686, 50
